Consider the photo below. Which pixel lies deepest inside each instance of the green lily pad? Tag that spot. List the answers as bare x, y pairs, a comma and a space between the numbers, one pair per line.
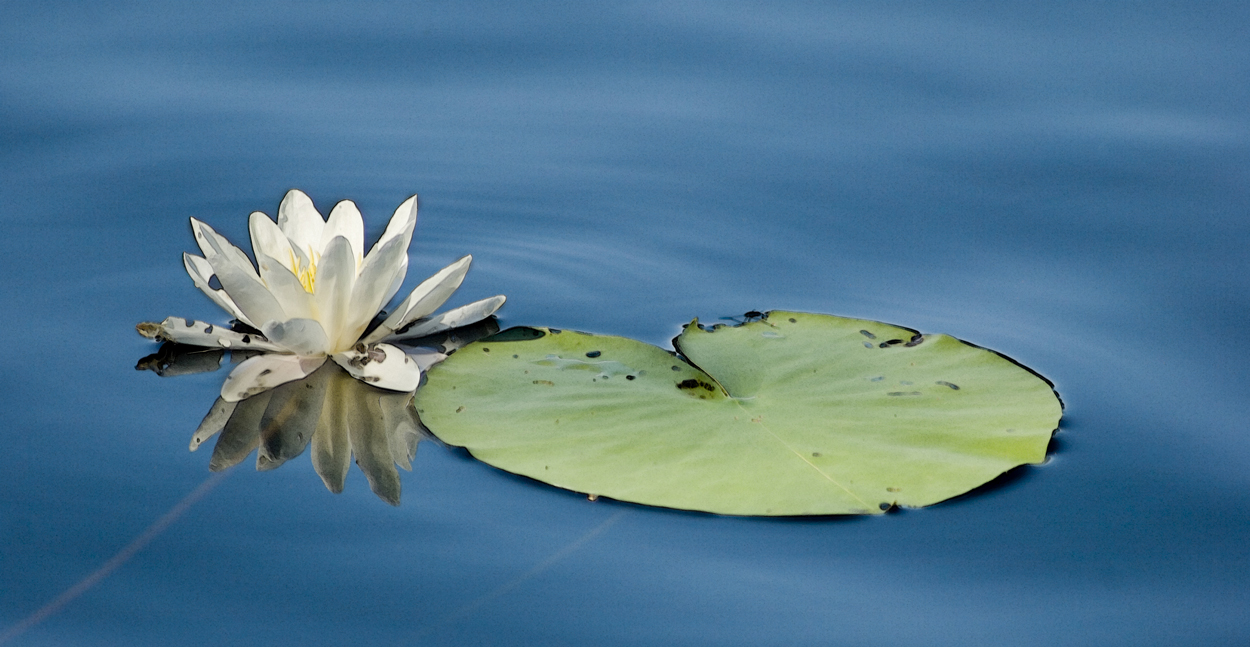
793, 414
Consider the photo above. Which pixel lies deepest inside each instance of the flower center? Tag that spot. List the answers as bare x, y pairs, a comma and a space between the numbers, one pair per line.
307, 274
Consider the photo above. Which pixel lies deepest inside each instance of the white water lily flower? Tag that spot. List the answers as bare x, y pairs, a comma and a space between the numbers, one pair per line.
314, 296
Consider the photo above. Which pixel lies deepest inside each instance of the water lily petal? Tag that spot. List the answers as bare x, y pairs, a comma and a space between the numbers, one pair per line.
424, 299
213, 422
286, 288
202, 233
237, 276
401, 224
383, 366
345, 221
336, 279
300, 221
201, 272
241, 434
398, 229
199, 333
373, 452
268, 240
303, 337
263, 372
289, 421
426, 357
381, 269
453, 318
331, 449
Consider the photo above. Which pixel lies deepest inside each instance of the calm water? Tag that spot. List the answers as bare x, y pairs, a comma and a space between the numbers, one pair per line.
1068, 184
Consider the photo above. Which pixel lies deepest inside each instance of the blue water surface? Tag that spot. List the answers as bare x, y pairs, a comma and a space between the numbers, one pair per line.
1066, 183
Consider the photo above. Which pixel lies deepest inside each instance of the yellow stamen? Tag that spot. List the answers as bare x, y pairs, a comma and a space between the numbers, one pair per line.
307, 275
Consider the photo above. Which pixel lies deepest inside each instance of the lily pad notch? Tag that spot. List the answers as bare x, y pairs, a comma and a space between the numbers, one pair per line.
786, 414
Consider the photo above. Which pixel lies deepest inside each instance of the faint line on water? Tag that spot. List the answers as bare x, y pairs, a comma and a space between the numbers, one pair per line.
502, 589
115, 561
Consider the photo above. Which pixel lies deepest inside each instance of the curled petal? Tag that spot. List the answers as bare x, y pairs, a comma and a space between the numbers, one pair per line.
238, 277
300, 221
201, 272
383, 366
454, 318
199, 333
263, 372
299, 336
424, 299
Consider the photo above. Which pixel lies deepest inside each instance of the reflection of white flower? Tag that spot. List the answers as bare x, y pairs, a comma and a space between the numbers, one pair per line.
339, 417
315, 295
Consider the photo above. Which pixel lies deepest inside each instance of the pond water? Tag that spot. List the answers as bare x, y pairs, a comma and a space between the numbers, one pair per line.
1065, 183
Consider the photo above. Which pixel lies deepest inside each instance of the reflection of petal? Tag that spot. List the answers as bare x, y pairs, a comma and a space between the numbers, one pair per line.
383, 366
331, 449
290, 419
213, 422
372, 449
199, 333
263, 372
172, 360
241, 434
403, 428
453, 318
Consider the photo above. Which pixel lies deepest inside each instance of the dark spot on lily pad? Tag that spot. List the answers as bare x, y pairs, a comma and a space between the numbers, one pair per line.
945, 383
593, 353
867, 334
